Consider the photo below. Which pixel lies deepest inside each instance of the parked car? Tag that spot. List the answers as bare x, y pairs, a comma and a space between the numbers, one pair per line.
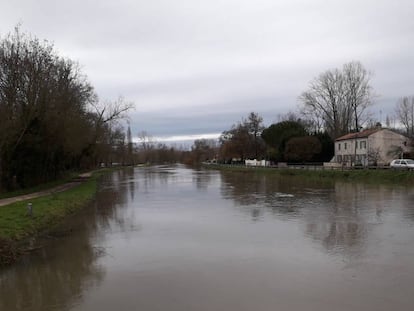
407, 164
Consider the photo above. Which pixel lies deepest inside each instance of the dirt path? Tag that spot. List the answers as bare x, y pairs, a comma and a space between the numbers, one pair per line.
56, 189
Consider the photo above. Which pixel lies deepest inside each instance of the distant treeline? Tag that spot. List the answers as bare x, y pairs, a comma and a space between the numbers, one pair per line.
289, 140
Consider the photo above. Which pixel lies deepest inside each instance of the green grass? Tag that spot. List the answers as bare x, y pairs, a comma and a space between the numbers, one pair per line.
371, 176
15, 223
48, 213
360, 175
38, 188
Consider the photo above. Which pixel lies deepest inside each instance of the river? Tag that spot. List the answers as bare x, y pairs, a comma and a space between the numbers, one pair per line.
176, 239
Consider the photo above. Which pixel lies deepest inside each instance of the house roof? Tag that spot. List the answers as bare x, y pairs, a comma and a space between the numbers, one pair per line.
362, 134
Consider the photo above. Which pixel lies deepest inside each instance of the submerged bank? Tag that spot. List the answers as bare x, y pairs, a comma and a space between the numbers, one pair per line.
17, 225
363, 175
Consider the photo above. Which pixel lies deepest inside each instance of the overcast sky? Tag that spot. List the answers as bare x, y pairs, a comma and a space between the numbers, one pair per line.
196, 67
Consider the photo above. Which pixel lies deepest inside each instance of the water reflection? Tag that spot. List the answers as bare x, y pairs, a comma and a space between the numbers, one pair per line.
336, 215
149, 177
202, 179
261, 193
172, 238
116, 190
54, 278
67, 263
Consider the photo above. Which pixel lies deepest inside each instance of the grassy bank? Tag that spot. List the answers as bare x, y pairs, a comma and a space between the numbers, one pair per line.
360, 175
48, 212
41, 187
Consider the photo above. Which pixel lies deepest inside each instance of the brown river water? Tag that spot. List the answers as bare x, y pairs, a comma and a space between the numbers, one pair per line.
177, 239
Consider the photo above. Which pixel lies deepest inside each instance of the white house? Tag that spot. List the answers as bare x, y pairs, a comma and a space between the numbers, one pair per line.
255, 162
369, 147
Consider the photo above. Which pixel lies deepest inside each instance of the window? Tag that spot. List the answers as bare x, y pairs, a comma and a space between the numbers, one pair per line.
345, 146
356, 145
339, 146
363, 144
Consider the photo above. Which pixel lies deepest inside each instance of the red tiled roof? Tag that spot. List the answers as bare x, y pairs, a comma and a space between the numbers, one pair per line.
362, 134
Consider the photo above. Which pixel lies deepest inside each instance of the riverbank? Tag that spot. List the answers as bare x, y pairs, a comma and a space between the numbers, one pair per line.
365, 175
16, 224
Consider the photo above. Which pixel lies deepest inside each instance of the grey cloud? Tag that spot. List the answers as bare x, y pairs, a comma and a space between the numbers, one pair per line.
199, 66
208, 118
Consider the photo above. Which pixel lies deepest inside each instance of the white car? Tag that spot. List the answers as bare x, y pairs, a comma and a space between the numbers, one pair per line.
402, 164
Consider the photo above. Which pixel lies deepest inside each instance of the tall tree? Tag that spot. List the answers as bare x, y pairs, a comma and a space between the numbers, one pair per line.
277, 135
338, 99
244, 140
43, 119
236, 142
405, 114
358, 91
146, 140
254, 124
202, 150
302, 149
46, 123
130, 146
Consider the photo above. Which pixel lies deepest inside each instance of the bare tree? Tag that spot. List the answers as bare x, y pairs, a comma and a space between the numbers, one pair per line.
44, 125
388, 121
202, 150
130, 146
325, 102
405, 114
111, 111
254, 124
106, 118
338, 99
50, 118
236, 142
146, 140
146, 147
244, 140
358, 91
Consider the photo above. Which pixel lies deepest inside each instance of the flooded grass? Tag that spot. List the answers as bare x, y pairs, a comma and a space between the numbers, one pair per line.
16, 224
8, 252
